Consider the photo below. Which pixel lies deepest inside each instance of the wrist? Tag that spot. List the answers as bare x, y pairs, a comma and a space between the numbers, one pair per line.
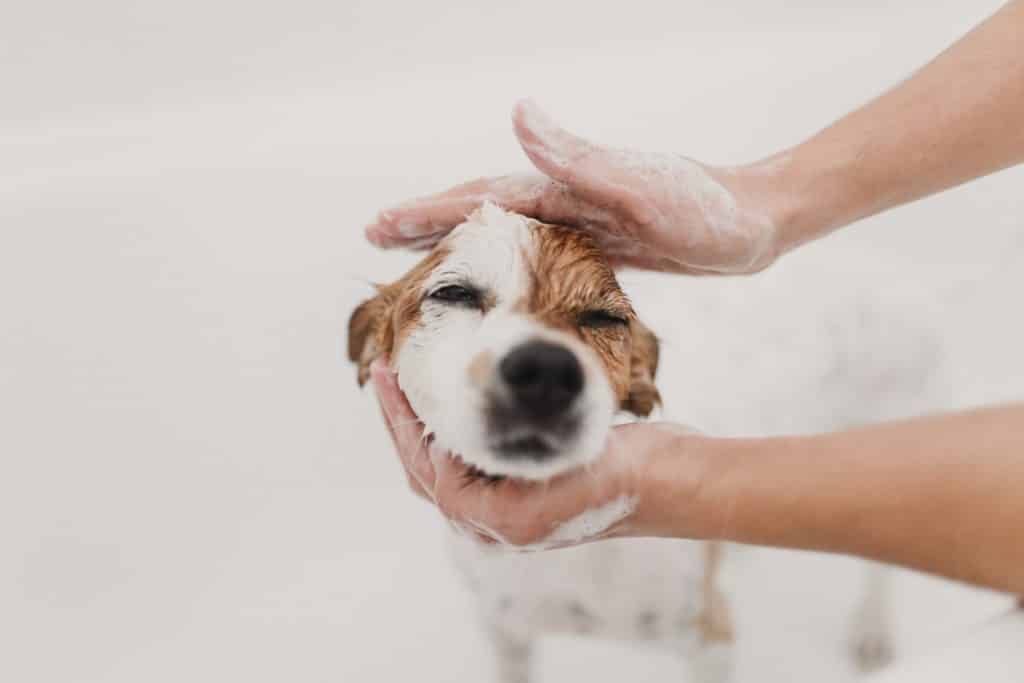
801, 192
726, 489
672, 486
778, 491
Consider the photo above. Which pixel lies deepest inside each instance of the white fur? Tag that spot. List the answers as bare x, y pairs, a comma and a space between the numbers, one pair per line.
604, 589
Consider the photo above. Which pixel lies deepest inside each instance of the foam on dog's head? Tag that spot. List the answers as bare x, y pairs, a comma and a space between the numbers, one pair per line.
530, 282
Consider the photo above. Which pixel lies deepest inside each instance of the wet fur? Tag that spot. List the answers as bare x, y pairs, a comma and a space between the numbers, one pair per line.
673, 584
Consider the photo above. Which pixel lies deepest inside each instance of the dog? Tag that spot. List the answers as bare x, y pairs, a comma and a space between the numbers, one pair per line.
517, 348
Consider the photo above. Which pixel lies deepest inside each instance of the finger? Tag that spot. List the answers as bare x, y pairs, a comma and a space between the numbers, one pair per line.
404, 425
657, 264
457, 488
421, 223
469, 531
384, 414
418, 489
522, 513
414, 483
421, 470
551, 148
453, 477
589, 170
402, 421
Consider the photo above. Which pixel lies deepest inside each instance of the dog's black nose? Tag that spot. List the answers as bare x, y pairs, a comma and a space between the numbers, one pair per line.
542, 377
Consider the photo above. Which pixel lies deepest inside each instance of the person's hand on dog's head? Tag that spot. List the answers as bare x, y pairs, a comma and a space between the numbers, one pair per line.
621, 491
648, 210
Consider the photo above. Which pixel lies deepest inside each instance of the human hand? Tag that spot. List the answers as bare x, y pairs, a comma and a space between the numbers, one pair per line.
642, 485
648, 210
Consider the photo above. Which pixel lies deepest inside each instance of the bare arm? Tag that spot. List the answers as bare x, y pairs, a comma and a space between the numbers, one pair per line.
942, 494
960, 117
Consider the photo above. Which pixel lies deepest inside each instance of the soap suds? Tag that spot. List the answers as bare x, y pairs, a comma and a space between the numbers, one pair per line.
520, 188
675, 173
661, 191
591, 523
551, 139
586, 526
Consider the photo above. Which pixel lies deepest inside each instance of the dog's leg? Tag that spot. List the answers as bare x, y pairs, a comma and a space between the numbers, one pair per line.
871, 634
712, 660
512, 656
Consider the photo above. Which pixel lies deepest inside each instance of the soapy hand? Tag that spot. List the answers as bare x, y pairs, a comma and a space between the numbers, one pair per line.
619, 495
647, 210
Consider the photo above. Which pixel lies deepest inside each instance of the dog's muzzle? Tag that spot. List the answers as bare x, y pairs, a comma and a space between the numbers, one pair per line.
533, 411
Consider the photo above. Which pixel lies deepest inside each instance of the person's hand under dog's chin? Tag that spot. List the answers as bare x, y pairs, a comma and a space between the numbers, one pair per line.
621, 494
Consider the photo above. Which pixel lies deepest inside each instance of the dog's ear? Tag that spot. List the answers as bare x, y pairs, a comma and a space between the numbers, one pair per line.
643, 366
367, 334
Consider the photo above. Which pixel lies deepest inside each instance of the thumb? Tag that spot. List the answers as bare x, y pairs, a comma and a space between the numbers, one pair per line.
405, 427
551, 148
587, 169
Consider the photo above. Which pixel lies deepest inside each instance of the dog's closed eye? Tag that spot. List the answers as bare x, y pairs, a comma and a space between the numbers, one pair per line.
598, 318
457, 295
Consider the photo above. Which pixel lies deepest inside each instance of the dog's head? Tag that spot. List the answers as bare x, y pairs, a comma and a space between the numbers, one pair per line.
514, 344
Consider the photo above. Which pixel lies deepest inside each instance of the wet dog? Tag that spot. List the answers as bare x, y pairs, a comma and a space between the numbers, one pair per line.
517, 348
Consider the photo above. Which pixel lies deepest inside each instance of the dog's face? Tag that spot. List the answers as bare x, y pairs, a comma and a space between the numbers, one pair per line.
514, 344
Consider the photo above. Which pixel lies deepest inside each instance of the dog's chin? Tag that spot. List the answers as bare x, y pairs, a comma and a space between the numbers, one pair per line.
534, 447
528, 455
529, 450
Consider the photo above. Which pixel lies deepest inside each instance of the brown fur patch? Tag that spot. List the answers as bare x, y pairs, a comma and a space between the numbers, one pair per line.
643, 367
569, 276
363, 329
379, 325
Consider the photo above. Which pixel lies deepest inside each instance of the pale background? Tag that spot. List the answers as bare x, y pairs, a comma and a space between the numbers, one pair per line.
191, 486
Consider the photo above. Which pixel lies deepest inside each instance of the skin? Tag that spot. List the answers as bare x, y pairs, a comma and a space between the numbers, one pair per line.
940, 494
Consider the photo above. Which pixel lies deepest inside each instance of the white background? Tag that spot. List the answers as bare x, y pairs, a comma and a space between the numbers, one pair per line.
191, 486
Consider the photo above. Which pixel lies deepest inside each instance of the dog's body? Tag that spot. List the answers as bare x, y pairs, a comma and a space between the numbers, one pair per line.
654, 592
516, 347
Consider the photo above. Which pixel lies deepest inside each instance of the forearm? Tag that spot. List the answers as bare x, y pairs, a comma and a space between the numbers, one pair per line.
958, 118
943, 494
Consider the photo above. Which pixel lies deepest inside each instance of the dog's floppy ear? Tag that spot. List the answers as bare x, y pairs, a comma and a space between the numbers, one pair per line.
367, 334
643, 366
